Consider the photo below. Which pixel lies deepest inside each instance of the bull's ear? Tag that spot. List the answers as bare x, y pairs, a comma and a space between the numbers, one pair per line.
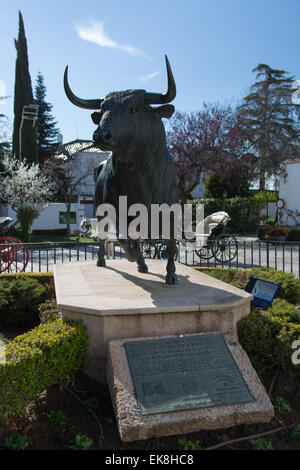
96, 117
165, 111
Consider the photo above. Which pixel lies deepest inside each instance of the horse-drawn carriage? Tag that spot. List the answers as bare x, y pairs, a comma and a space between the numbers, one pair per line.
13, 253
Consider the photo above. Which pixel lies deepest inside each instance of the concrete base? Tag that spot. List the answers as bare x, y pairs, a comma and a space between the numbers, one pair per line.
117, 301
134, 426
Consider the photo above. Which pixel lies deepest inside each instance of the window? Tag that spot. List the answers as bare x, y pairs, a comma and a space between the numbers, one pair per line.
63, 218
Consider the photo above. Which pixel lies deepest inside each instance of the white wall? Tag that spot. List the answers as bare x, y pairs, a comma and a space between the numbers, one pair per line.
49, 217
289, 191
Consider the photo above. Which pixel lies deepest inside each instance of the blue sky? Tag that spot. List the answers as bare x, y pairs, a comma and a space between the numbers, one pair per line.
212, 46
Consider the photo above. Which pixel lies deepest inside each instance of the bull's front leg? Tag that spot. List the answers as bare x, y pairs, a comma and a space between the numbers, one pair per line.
171, 249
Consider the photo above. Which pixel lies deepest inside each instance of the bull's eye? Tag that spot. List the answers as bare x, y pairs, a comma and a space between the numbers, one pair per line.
134, 109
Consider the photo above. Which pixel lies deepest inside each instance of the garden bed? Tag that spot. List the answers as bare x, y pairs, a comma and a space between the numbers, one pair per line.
43, 434
79, 406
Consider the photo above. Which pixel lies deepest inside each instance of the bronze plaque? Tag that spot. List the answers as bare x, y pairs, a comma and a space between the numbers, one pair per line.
185, 372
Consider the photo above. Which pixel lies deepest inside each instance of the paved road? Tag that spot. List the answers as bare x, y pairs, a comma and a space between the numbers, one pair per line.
250, 254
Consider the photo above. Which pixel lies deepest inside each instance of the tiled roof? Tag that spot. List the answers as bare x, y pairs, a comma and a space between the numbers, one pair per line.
75, 146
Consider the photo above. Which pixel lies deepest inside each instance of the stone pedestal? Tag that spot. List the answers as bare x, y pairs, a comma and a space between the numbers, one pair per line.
118, 302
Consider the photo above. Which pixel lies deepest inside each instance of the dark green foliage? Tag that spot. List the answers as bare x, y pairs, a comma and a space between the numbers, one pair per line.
296, 432
216, 186
19, 301
293, 235
38, 359
46, 279
46, 132
53, 232
261, 444
266, 119
81, 442
257, 334
23, 96
281, 405
57, 417
26, 215
185, 444
16, 441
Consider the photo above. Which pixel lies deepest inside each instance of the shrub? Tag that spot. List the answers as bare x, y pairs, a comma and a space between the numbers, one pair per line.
38, 359
281, 405
269, 221
26, 215
46, 279
261, 444
81, 442
16, 441
57, 417
48, 311
284, 311
19, 300
296, 432
268, 341
257, 334
289, 285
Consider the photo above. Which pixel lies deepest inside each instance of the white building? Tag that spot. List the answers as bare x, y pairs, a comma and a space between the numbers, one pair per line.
84, 160
289, 192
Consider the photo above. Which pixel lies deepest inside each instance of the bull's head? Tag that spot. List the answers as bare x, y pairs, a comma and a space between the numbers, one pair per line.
125, 119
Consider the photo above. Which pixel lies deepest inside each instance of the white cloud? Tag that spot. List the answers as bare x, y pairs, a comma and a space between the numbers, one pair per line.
94, 32
145, 78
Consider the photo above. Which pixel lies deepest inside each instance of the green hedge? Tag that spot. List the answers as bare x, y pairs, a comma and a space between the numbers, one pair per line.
46, 279
268, 342
267, 336
20, 296
38, 359
52, 232
289, 285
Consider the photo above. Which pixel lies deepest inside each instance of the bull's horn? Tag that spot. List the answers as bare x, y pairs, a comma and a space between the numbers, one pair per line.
86, 104
159, 98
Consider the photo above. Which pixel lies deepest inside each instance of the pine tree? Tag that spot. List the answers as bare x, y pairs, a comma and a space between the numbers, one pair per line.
46, 132
267, 119
23, 96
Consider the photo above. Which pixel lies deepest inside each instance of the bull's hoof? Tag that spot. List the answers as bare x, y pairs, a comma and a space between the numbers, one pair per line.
101, 263
171, 279
142, 268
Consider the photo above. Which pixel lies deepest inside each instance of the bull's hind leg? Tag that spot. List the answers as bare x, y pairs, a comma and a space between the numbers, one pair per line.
101, 253
171, 249
133, 253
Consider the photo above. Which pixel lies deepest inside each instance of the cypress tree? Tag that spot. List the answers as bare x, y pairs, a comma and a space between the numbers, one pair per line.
23, 96
267, 117
46, 132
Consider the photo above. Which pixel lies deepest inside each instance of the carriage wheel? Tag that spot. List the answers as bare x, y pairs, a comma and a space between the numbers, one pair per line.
205, 252
13, 255
225, 248
162, 251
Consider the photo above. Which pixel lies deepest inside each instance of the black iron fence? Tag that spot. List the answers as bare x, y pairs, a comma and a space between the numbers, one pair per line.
41, 257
